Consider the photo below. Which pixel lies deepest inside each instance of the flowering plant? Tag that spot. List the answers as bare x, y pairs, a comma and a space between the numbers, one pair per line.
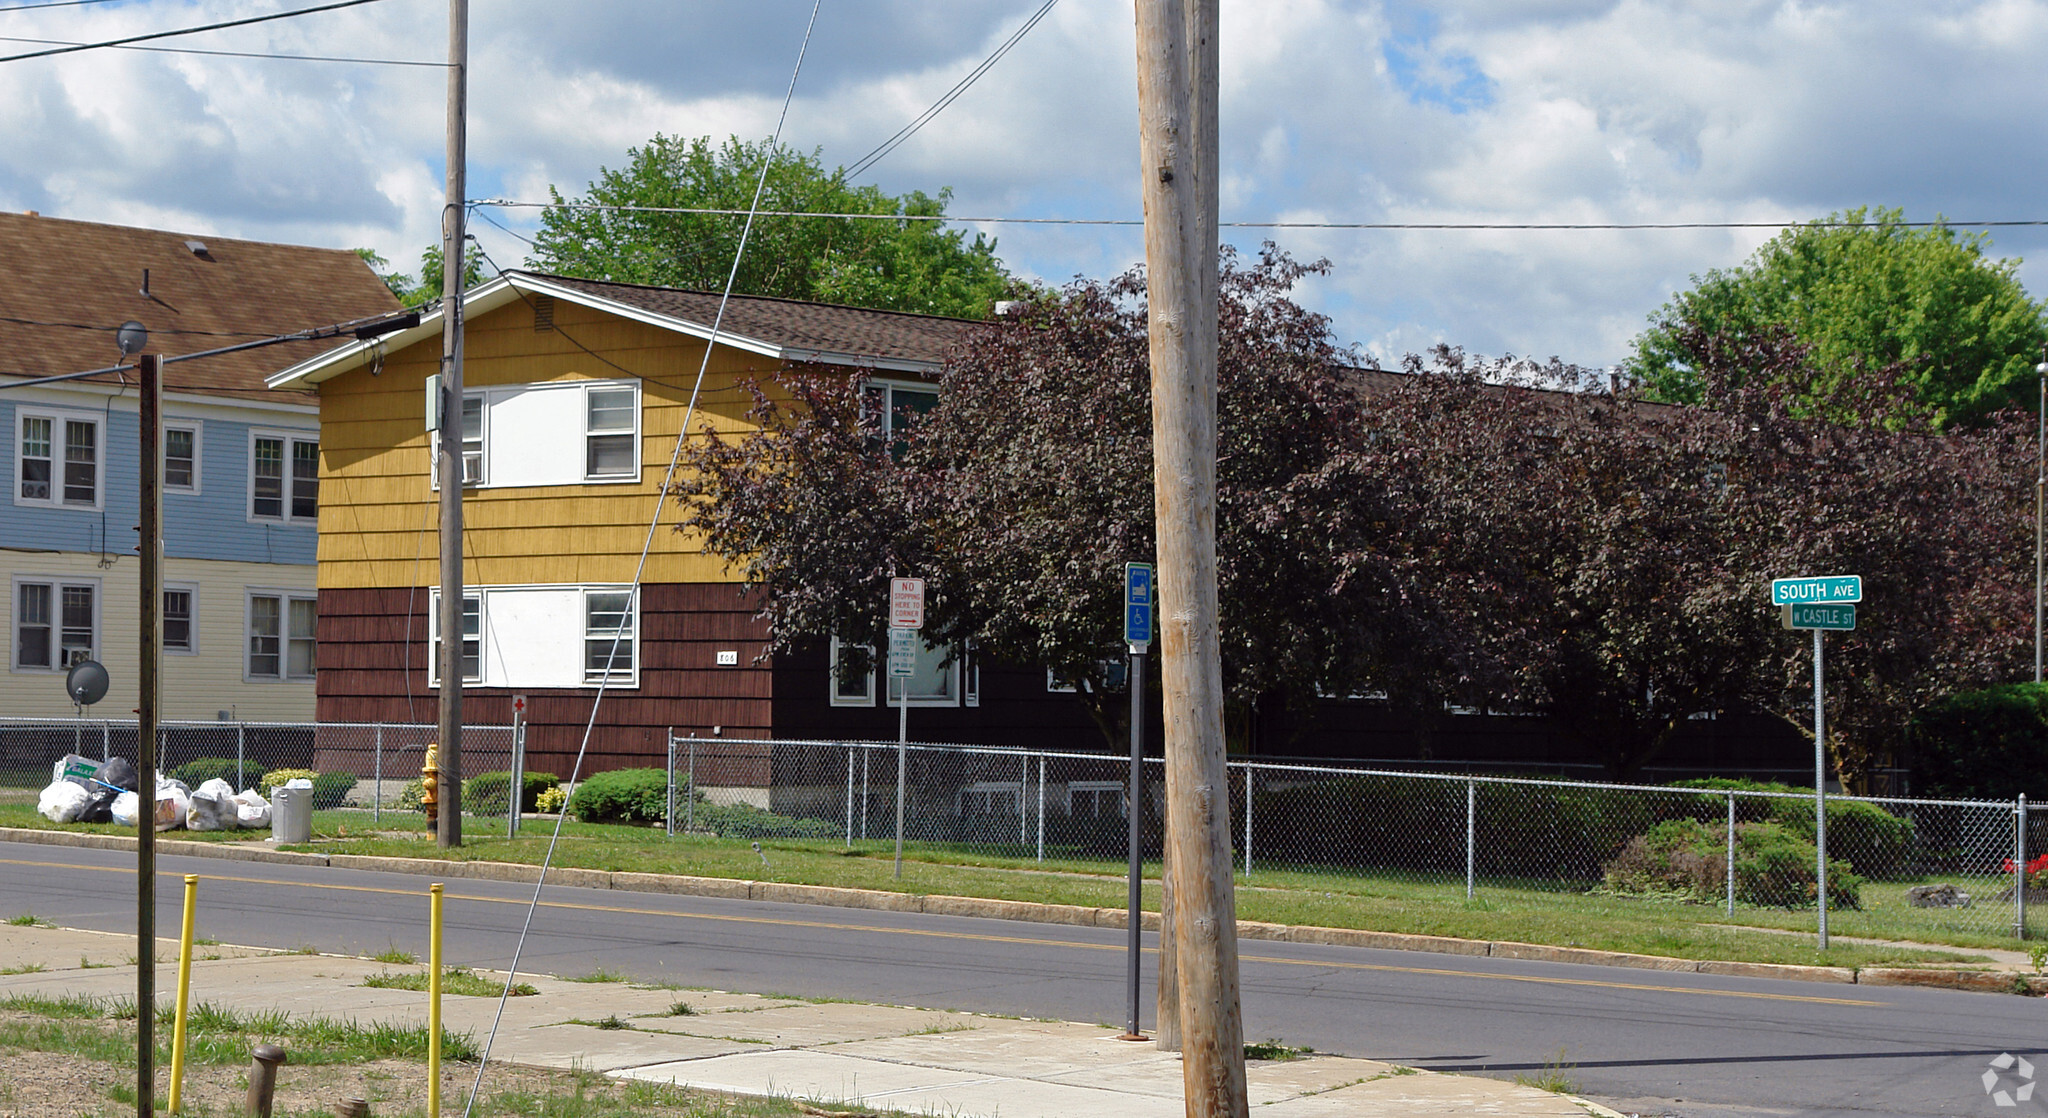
2037, 871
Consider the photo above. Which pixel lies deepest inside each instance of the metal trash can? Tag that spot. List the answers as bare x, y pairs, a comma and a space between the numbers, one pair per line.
291, 815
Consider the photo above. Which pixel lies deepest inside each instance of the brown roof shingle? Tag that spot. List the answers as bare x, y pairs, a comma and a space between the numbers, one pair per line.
65, 286
793, 323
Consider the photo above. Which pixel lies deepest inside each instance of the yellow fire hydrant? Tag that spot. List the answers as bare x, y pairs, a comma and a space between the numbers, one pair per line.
430, 783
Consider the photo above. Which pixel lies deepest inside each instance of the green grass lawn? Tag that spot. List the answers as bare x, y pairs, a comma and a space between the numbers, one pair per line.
1531, 912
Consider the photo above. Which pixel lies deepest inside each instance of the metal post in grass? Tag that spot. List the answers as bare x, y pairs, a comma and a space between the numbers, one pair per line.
668, 803
1023, 782
849, 797
1041, 807
1820, 796
690, 793
1731, 853
1471, 833
377, 778
2019, 867
1248, 820
239, 778
864, 751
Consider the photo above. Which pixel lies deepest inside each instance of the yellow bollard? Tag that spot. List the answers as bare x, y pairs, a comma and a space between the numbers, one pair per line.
434, 1000
184, 990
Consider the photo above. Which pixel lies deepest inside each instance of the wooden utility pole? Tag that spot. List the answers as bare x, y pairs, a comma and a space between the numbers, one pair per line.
1177, 90
449, 827
149, 693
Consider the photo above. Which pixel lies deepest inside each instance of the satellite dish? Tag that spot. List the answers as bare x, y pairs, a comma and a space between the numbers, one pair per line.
131, 337
86, 682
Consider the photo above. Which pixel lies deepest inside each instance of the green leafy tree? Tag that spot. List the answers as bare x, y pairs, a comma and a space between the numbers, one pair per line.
1862, 291
903, 265
428, 289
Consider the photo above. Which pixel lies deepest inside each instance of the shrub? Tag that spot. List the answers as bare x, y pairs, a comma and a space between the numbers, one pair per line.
278, 778
745, 821
329, 789
550, 800
1686, 858
1983, 744
624, 796
413, 796
1874, 841
197, 772
486, 793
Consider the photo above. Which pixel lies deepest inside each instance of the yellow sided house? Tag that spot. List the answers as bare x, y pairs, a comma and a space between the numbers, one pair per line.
574, 394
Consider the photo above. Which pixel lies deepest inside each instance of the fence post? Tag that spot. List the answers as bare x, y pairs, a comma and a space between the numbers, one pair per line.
668, 802
2019, 865
239, 778
1041, 807
1248, 819
104, 742
1471, 806
377, 777
1023, 782
690, 797
864, 793
1731, 853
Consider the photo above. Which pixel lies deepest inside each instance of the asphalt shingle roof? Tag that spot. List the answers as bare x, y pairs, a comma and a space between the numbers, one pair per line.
793, 323
65, 286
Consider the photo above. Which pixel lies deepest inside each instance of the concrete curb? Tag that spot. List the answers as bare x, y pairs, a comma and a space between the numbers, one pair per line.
1987, 981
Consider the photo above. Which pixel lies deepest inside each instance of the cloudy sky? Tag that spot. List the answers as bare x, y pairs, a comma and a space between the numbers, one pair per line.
1538, 111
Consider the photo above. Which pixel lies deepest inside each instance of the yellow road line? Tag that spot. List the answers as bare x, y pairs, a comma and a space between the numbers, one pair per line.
980, 937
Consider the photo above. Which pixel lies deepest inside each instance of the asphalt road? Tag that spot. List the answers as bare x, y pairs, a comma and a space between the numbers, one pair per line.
1641, 1041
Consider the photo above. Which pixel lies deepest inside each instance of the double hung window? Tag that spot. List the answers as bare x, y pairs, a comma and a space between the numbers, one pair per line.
56, 623
282, 628
57, 460
284, 477
608, 637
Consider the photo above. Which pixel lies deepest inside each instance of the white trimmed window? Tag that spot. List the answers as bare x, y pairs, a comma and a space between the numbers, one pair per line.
472, 638
181, 456
281, 627
942, 676
611, 432
566, 433
851, 686
472, 444
181, 635
284, 477
610, 640
1095, 799
56, 623
57, 459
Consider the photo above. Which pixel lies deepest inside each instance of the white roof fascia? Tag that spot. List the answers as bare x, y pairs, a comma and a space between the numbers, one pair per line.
863, 360
493, 294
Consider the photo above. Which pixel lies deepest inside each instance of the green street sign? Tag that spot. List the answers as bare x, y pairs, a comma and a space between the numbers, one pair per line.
1817, 590
1805, 615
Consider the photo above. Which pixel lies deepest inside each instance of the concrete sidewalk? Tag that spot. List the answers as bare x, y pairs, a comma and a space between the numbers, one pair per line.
886, 1057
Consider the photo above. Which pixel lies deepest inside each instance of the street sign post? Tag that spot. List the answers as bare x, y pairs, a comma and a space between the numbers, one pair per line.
1139, 609
906, 617
1817, 590
1819, 603
1138, 606
1838, 619
906, 603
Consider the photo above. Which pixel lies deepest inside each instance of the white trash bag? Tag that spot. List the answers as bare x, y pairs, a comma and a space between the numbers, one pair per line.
124, 808
251, 809
173, 801
212, 807
61, 802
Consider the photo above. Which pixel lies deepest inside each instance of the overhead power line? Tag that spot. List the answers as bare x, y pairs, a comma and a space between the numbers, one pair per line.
52, 4
507, 203
236, 53
951, 95
188, 30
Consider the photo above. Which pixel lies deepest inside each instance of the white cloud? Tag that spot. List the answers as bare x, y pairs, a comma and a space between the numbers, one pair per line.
1619, 110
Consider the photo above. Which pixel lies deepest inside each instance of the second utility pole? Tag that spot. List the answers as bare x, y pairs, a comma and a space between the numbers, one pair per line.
449, 828
1177, 90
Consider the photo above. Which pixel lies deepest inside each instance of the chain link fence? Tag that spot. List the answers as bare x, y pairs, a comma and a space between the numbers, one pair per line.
1897, 866
360, 766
